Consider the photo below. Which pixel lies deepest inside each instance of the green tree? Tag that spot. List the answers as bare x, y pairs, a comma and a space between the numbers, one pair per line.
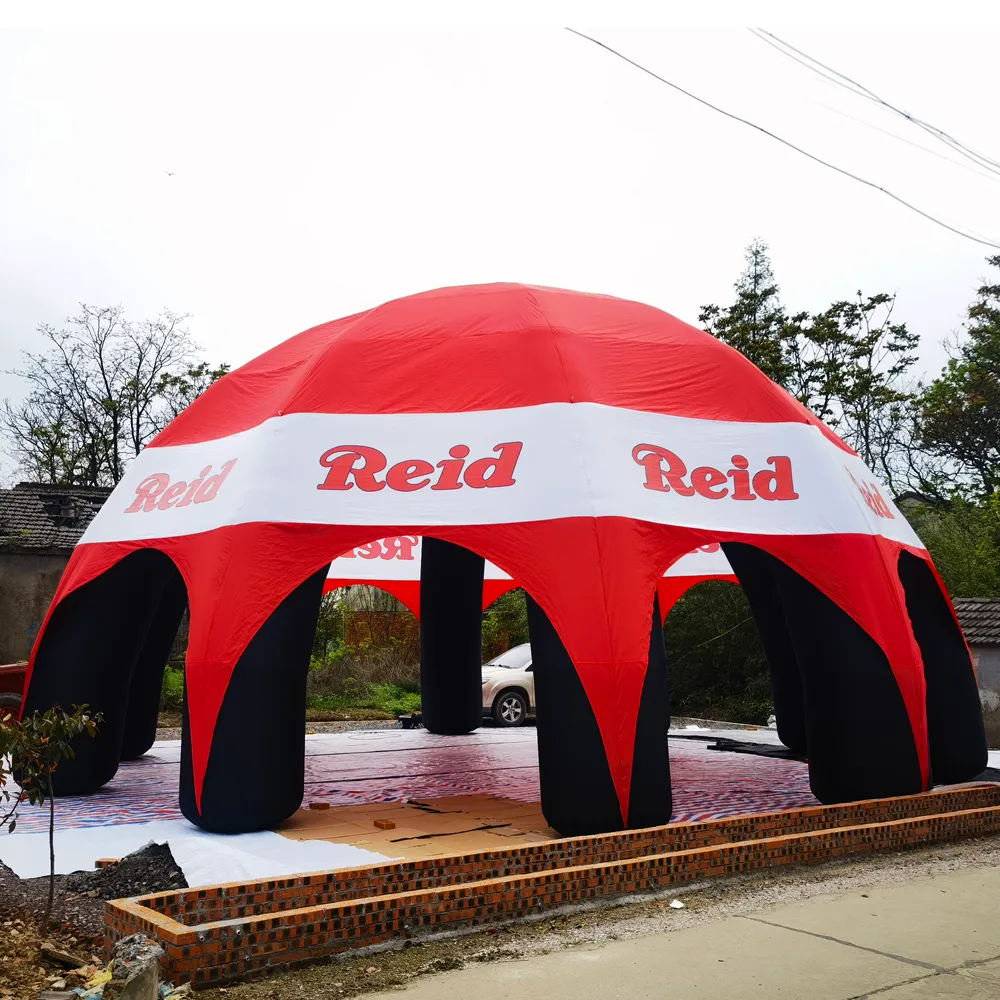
756, 323
865, 363
178, 390
331, 628
963, 538
31, 750
960, 409
850, 363
717, 665
505, 623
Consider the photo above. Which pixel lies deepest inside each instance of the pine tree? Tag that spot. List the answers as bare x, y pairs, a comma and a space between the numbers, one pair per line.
849, 364
756, 323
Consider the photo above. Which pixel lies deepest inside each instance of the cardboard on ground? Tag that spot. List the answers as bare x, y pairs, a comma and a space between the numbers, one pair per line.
459, 824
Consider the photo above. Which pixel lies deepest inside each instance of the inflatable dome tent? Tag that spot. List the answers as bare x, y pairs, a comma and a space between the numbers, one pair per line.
583, 444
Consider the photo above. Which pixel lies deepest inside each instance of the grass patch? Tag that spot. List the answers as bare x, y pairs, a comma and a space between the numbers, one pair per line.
388, 699
348, 715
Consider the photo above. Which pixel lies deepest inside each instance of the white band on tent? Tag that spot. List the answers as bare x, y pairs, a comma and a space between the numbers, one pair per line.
524, 464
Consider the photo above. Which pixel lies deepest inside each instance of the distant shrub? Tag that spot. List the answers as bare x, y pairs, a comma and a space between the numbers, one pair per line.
172, 692
386, 679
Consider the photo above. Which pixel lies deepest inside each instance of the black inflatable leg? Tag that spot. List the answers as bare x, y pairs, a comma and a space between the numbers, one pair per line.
754, 570
650, 798
87, 655
147, 676
451, 638
955, 728
860, 743
256, 766
578, 795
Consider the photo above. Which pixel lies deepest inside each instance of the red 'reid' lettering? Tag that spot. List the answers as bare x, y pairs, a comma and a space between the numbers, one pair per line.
148, 492
451, 468
493, 472
665, 472
709, 482
193, 487
157, 492
651, 458
342, 462
171, 495
776, 485
210, 487
741, 478
409, 476
394, 547
353, 465
872, 496
399, 547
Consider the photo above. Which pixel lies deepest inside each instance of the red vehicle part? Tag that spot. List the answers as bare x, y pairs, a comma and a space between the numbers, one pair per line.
12, 676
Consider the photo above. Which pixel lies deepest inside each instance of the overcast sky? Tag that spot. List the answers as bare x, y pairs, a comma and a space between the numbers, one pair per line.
321, 167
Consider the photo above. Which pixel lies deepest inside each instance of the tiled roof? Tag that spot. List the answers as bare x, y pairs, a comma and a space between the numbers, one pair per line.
980, 619
38, 516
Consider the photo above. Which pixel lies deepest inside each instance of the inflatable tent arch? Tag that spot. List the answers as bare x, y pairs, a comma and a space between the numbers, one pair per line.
581, 442
393, 565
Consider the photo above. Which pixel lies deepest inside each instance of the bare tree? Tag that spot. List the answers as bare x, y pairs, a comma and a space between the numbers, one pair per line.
100, 392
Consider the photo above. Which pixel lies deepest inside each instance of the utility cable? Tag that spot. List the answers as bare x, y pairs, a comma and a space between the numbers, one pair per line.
972, 168
791, 145
860, 90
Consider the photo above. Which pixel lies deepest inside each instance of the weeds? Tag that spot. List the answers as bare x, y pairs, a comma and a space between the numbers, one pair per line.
385, 679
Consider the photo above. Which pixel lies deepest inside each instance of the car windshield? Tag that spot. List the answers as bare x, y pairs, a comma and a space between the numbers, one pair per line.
514, 659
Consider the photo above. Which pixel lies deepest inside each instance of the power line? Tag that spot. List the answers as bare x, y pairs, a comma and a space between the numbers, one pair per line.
994, 176
791, 145
832, 75
860, 90
841, 80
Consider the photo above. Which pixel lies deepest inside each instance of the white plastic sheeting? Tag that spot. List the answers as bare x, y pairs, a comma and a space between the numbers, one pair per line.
205, 858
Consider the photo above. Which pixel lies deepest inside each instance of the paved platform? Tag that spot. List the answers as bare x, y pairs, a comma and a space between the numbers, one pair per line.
398, 765
491, 775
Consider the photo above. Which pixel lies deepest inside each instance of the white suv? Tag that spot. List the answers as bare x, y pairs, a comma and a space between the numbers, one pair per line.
509, 686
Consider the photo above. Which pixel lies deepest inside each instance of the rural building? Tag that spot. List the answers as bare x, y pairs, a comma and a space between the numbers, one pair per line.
980, 619
39, 525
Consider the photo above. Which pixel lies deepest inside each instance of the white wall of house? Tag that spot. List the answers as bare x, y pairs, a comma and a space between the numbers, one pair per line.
987, 661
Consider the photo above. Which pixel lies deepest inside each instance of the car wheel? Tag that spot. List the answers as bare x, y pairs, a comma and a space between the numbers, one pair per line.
10, 704
510, 709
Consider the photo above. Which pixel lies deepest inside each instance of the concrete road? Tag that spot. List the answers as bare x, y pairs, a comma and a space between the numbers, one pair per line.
931, 937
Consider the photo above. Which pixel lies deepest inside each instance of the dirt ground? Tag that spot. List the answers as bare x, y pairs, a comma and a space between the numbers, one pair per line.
23, 972
169, 726
80, 896
632, 916
77, 918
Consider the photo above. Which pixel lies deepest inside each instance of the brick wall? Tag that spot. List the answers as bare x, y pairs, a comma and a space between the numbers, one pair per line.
222, 933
